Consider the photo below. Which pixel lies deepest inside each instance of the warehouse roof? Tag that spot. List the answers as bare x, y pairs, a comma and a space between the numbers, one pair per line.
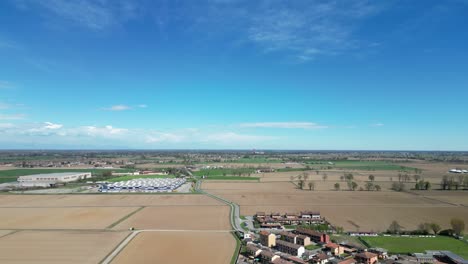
59, 174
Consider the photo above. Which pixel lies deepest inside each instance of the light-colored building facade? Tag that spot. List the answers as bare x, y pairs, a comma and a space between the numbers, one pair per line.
290, 248
267, 239
46, 180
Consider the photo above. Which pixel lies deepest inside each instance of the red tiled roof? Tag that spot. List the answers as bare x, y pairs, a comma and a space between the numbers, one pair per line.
366, 255
332, 245
348, 261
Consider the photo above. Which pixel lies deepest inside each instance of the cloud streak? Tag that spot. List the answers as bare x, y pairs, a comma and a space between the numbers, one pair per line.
61, 135
94, 15
12, 117
286, 125
117, 108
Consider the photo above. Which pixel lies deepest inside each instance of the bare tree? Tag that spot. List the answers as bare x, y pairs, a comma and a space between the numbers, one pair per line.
369, 186
301, 184
371, 177
394, 228
337, 186
435, 228
324, 177
311, 186
458, 225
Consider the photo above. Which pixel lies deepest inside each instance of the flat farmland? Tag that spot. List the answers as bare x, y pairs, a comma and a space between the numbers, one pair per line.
453, 197
180, 217
5, 232
358, 210
178, 248
58, 246
111, 200
62, 218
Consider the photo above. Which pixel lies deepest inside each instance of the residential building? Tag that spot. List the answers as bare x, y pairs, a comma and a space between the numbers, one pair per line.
281, 261
381, 252
334, 249
315, 236
303, 240
290, 248
267, 239
310, 214
366, 257
424, 258
289, 237
253, 250
320, 259
267, 256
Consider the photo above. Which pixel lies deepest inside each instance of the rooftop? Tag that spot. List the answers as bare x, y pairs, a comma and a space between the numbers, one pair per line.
58, 174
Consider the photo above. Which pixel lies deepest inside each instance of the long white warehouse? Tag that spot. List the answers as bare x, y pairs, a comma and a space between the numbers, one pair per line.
49, 179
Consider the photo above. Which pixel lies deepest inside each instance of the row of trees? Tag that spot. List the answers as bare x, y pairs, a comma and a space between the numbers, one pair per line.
452, 182
457, 224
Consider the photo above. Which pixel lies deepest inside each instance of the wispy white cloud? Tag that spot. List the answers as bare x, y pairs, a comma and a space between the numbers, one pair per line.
95, 15
142, 106
310, 28
6, 85
12, 116
301, 125
377, 125
60, 135
118, 108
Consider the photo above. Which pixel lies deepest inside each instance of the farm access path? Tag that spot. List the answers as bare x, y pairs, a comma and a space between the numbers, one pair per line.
235, 220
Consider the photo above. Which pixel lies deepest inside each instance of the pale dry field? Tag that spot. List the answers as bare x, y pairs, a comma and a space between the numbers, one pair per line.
358, 210
61, 247
180, 218
111, 200
5, 232
61, 218
453, 197
178, 248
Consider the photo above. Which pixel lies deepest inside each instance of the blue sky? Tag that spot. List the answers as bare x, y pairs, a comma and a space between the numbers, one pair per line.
217, 74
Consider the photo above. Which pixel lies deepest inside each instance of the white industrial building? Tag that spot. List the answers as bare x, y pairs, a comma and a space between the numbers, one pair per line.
50, 179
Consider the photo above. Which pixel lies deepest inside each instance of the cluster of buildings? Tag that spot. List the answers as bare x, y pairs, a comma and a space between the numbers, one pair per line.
144, 185
292, 248
278, 220
51, 179
305, 246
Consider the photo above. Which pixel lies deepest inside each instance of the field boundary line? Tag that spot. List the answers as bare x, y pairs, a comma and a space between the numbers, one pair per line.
125, 217
11, 233
235, 257
111, 256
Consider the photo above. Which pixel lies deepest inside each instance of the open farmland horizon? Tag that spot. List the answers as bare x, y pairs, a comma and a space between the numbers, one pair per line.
233, 132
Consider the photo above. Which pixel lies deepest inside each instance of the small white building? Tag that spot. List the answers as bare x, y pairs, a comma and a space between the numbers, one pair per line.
50, 179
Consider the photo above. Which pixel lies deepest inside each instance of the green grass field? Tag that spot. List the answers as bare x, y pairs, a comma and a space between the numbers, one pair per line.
12, 175
404, 245
359, 165
127, 178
